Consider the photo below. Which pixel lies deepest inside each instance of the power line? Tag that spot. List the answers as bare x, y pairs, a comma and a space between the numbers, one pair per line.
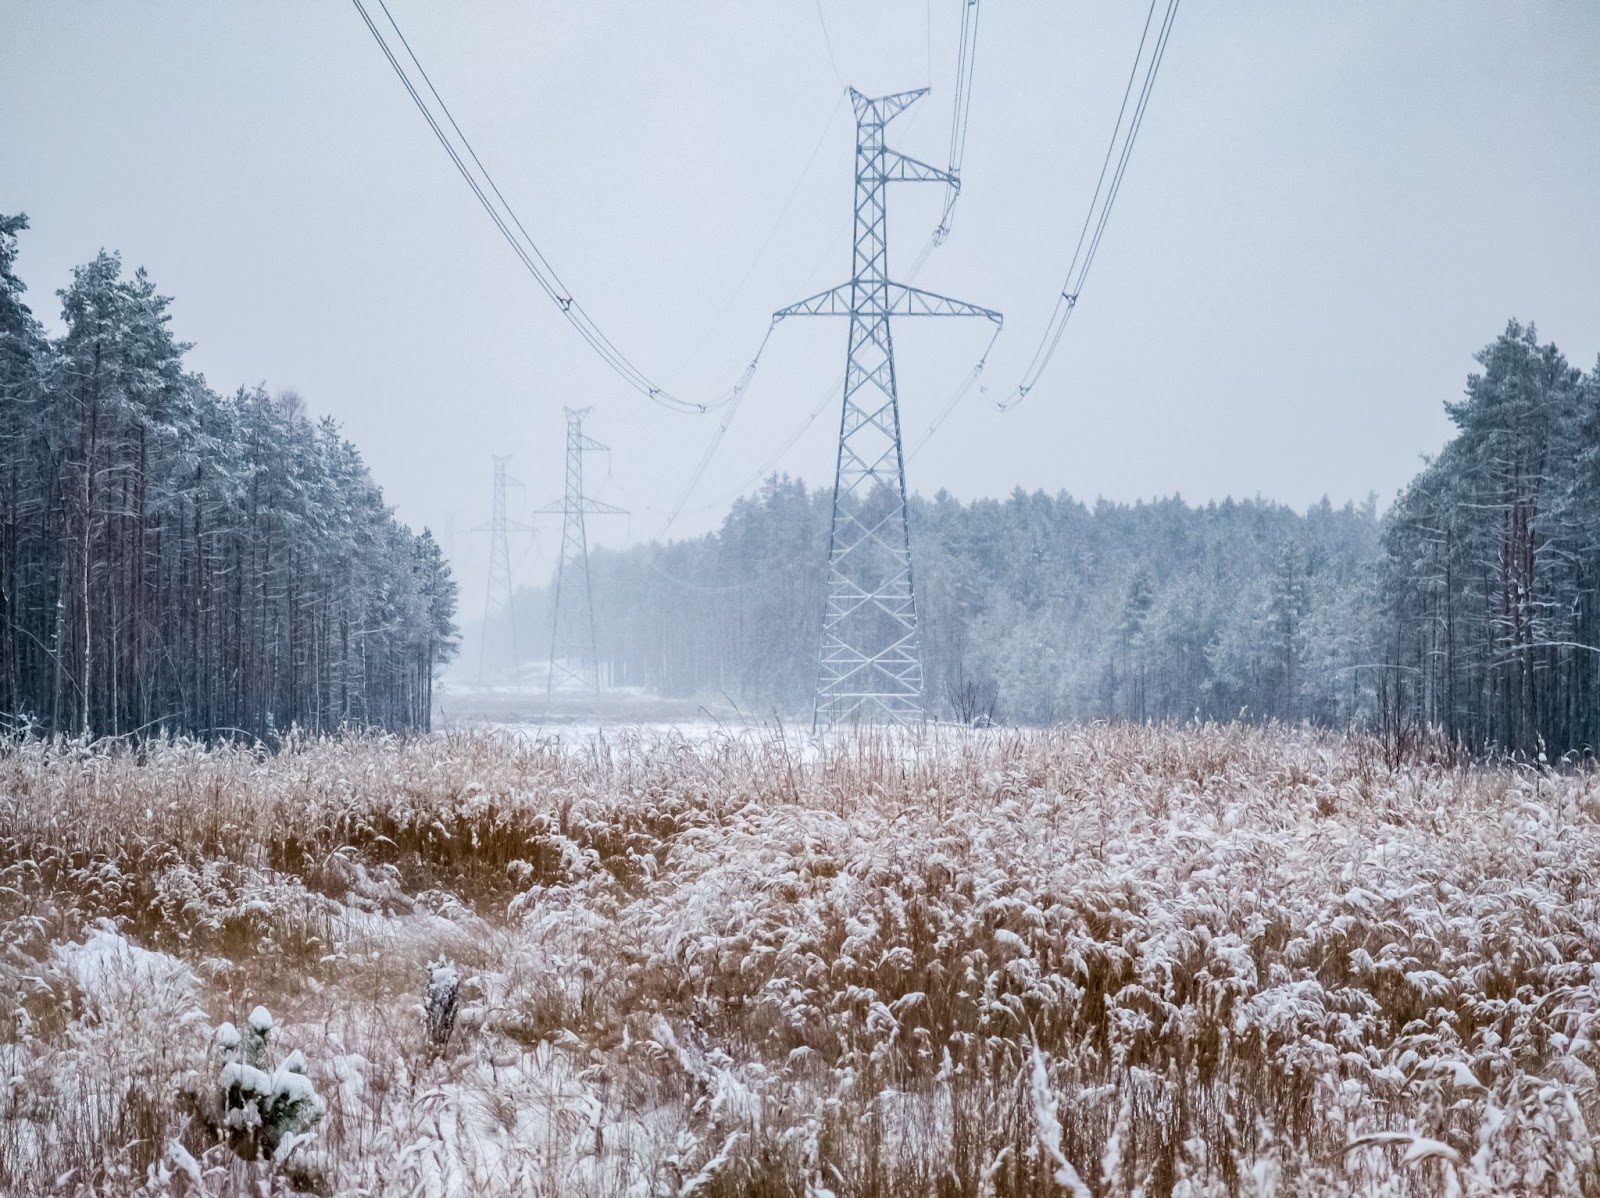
960, 393
828, 42
962, 390
550, 284
699, 469
760, 472
966, 56
772, 231
1111, 146
506, 220
832, 392
695, 586
1127, 147
445, 108
1099, 212
958, 140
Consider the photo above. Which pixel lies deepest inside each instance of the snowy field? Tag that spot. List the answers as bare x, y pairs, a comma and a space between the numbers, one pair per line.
1099, 960
623, 720
585, 737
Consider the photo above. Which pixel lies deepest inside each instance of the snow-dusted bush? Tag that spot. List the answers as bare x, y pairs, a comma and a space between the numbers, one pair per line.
265, 1111
440, 999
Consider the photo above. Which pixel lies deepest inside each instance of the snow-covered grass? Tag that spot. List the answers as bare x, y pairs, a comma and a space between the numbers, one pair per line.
1105, 959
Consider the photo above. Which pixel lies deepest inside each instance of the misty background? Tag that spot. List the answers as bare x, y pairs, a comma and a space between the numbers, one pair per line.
1328, 213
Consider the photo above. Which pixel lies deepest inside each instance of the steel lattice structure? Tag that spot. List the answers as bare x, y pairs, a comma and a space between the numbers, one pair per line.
870, 661
572, 636
498, 597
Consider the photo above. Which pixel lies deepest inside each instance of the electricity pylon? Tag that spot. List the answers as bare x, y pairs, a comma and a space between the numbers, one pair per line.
870, 661
497, 598
572, 635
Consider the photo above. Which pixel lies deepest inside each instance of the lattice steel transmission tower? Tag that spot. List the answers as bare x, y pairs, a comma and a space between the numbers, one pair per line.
498, 597
870, 661
572, 635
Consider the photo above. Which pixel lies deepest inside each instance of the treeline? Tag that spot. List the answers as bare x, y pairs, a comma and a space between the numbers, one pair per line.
1035, 608
1492, 569
1470, 607
176, 560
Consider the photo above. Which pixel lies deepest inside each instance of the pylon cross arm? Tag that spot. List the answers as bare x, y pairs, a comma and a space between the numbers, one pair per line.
902, 168
913, 301
883, 108
562, 507
835, 301
900, 300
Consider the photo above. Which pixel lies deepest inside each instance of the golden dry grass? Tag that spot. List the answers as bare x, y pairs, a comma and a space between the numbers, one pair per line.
1246, 960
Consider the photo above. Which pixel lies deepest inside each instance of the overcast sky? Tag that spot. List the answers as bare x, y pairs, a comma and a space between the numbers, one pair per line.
1330, 208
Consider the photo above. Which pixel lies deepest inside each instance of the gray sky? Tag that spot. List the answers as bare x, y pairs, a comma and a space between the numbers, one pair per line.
1330, 208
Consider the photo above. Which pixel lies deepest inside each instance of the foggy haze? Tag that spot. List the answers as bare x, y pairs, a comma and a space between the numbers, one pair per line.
1329, 210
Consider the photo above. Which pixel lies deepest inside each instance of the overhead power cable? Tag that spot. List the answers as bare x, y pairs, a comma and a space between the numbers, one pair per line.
477, 177
828, 42
699, 469
965, 59
830, 394
699, 588
772, 231
966, 55
960, 393
1123, 136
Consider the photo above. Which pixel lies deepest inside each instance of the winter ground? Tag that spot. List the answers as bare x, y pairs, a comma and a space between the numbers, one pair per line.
527, 711
1105, 960
585, 722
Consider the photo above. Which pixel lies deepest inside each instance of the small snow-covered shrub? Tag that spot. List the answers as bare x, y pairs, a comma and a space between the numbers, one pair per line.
264, 1111
440, 999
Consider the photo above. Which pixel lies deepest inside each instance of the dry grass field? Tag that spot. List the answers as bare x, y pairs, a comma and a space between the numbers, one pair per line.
1094, 960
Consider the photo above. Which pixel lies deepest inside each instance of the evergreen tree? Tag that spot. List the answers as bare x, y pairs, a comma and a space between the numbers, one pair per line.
174, 561
1491, 570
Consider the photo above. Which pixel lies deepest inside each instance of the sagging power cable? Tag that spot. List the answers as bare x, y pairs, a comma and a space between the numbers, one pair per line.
965, 60
1123, 135
477, 177
966, 55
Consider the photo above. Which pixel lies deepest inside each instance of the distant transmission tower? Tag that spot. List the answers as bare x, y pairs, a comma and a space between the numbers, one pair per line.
572, 638
497, 598
870, 662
